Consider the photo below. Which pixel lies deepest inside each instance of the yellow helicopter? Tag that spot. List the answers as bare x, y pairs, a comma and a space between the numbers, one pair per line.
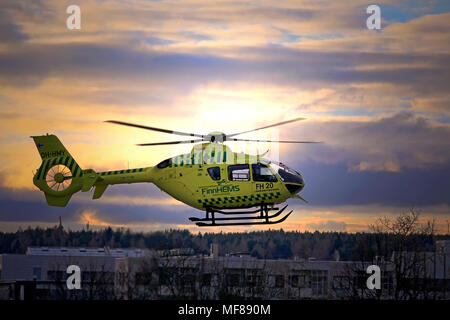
211, 177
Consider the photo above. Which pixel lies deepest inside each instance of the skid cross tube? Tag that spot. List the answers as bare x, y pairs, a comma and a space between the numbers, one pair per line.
263, 216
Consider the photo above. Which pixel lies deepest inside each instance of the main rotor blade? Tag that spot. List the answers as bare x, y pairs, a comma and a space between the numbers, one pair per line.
277, 141
169, 142
269, 126
155, 129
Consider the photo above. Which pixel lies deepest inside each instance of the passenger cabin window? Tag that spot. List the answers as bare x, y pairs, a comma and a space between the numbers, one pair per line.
262, 173
214, 173
239, 172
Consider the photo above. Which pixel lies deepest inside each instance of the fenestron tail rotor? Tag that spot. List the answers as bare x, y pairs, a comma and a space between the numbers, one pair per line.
59, 177
211, 137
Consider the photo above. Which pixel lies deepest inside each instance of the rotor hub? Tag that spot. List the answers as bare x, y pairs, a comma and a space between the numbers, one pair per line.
217, 137
59, 177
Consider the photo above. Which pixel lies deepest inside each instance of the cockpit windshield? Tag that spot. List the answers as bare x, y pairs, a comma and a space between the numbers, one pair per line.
286, 174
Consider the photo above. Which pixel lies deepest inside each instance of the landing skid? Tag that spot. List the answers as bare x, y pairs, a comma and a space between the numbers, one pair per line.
211, 221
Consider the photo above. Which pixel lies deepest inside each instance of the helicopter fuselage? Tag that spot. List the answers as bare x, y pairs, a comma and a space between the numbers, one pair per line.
212, 176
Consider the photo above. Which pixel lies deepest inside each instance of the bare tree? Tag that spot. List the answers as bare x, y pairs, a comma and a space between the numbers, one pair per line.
406, 238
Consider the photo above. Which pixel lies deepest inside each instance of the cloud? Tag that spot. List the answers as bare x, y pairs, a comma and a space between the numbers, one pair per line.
90, 217
388, 166
329, 225
391, 143
31, 206
10, 32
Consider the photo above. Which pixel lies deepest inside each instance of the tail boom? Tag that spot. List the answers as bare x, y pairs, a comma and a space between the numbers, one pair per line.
59, 175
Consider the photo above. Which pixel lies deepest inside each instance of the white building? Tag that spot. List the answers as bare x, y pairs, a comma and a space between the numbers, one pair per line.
147, 274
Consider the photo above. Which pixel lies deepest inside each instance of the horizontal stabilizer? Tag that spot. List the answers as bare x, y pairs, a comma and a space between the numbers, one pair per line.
99, 190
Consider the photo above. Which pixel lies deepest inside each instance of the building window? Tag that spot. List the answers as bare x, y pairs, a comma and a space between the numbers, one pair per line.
55, 275
214, 173
341, 282
239, 172
253, 280
279, 281
319, 282
37, 273
188, 281
233, 280
143, 278
206, 280
294, 281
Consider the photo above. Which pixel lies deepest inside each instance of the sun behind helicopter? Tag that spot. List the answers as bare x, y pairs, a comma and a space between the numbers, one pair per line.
211, 177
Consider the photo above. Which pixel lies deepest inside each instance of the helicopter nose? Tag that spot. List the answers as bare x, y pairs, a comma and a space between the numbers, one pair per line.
297, 186
294, 188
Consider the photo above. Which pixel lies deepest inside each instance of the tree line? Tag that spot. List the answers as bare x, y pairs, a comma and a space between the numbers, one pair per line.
271, 244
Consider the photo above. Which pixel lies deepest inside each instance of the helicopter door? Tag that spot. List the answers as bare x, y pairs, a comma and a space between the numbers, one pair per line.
239, 179
264, 180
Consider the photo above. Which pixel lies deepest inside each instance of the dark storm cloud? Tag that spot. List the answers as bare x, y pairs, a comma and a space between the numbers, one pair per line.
97, 62
401, 160
31, 206
277, 64
409, 140
334, 185
10, 31
120, 214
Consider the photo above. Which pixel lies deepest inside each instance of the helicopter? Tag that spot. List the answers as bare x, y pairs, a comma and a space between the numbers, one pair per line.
243, 189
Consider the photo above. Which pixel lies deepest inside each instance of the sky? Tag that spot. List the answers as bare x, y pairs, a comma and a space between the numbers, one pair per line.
378, 99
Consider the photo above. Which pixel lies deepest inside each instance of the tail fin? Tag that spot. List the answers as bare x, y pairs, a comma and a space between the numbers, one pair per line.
59, 175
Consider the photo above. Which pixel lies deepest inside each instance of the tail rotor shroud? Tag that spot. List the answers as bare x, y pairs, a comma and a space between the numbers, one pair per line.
59, 177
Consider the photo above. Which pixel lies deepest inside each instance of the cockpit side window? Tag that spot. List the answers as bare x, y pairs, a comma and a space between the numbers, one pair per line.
289, 177
262, 173
239, 172
164, 164
286, 174
214, 173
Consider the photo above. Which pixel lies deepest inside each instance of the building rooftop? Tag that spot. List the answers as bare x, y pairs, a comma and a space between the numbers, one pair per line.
70, 251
